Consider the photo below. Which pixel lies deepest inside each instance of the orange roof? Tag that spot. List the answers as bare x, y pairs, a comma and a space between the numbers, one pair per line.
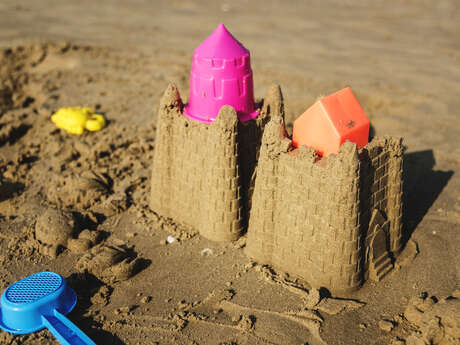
331, 121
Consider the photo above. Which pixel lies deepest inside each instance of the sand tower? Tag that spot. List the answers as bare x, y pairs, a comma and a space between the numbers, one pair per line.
203, 173
335, 221
206, 152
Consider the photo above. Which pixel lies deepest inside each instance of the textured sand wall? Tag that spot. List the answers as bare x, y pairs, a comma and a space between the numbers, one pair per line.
310, 218
381, 185
203, 174
250, 137
195, 178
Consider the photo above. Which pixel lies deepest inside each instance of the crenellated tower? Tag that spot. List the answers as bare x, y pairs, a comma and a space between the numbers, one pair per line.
334, 221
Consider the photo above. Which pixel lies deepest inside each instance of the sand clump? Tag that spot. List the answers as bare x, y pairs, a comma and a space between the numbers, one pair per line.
56, 230
334, 306
109, 263
79, 245
386, 325
436, 322
53, 228
93, 237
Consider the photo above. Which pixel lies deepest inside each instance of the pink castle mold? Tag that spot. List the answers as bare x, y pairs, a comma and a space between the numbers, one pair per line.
221, 75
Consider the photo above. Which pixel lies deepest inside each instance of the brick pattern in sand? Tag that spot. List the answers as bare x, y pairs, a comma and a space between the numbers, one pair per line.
203, 173
311, 218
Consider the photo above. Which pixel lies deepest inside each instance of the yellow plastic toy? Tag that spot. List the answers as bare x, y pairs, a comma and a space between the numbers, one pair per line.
76, 119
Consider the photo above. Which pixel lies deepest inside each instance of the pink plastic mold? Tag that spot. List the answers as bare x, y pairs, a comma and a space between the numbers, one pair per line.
221, 75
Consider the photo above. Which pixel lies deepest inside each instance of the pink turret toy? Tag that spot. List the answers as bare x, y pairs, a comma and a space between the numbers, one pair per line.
221, 75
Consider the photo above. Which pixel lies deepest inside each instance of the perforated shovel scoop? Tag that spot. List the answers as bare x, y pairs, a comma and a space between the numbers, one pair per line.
41, 301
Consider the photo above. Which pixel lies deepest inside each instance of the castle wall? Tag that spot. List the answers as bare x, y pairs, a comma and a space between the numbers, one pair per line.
381, 185
202, 173
249, 139
310, 218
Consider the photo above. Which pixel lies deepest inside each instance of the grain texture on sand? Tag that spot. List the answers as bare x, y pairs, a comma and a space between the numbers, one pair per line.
401, 58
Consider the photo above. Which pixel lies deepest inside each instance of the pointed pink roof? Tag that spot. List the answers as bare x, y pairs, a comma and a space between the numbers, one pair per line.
220, 45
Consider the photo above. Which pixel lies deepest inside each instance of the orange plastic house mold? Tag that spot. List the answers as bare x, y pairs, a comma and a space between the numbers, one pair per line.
331, 121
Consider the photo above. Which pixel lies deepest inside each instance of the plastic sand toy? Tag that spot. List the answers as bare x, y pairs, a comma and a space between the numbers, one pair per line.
76, 119
41, 301
331, 121
221, 75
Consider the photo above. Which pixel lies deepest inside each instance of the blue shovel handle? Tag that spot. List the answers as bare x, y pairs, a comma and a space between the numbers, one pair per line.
65, 331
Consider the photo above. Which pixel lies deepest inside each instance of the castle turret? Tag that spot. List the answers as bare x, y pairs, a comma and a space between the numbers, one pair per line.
221, 75
334, 221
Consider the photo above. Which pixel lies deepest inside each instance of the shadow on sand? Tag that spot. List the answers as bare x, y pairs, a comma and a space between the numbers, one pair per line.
9, 189
86, 285
422, 186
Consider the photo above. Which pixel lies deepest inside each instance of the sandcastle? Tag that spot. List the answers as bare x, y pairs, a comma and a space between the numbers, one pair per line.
334, 221
206, 152
203, 173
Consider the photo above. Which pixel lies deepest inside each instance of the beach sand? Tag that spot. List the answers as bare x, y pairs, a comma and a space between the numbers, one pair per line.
402, 59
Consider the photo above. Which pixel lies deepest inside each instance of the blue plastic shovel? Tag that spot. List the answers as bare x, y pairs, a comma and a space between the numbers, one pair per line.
41, 301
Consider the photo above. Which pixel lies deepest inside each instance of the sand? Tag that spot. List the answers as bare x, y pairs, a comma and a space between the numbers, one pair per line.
134, 287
